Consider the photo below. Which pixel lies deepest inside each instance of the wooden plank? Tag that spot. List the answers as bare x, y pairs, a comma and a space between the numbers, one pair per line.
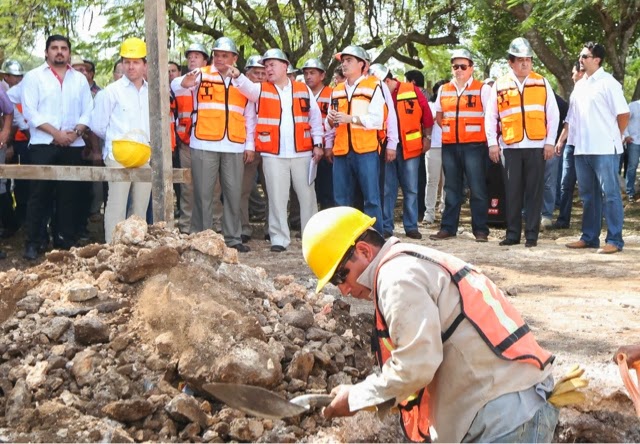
87, 174
155, 22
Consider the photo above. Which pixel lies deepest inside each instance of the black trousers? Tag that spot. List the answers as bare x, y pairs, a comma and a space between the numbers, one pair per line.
524, 188
21, 187
42, 193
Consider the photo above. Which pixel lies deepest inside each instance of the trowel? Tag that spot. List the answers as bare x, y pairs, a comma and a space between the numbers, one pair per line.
260, 402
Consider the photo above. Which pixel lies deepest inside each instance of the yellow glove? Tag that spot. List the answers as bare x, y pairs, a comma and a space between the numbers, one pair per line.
566, 390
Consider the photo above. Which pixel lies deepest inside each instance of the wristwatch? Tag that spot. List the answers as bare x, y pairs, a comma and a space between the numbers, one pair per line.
78, 132
318, 145
427, 136
354, 119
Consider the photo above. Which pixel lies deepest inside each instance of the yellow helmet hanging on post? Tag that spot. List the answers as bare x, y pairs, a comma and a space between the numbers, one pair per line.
327, 237
129, 153
133, 48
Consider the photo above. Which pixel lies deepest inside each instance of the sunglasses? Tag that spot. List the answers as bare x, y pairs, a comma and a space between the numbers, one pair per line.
586, 56
462, 67
341, 273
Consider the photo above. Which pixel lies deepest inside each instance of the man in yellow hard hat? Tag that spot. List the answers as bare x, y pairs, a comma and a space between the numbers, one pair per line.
122, 112
454, 354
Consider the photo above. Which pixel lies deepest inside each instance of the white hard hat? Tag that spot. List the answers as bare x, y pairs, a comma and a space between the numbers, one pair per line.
253, 62
12, 67
461, 54
197, 47
314, 63
520, 47
356, 51
225, 44
275, 53
379, 70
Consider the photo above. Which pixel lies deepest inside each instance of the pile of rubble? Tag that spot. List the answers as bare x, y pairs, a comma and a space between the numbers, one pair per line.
113, 343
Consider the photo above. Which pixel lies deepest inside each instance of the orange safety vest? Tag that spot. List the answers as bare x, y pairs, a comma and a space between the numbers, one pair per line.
484, 305
324, 101
173, 116
269, 117
409, 115
524, 112
20, 136
462, 116
184, 101
355, 137
219, 109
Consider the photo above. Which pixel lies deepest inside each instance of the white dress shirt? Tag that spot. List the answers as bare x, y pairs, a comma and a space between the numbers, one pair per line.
121, 108
571, 132
224, 145
45, 100
393, 137
287, 139
633, 129
436, 132
598, 102
492, 118
14, 94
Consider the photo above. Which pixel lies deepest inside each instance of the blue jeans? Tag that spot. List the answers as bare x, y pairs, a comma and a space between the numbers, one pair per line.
567, 185
470, 160
358, 170
600, 192
550, 186
406, 173
633, 153
540, 428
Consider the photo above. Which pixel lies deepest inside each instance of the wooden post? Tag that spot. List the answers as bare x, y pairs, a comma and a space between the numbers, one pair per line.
155, 21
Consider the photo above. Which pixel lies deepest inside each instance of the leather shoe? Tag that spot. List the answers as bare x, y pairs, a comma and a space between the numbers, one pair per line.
414, 234
242, 248
608, 249
30, 253
557, 226
531, 243
278, 248
267, 237
442, 234
507, 242
245, 238
3, 255
482, 237
578, 244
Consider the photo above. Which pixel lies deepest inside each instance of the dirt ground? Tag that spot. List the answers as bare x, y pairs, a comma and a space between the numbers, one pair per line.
581, 305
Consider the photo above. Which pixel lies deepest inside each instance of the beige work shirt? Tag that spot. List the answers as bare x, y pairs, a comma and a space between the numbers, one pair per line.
419, 301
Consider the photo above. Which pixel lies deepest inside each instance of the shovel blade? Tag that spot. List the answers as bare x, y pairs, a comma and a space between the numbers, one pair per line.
256, 401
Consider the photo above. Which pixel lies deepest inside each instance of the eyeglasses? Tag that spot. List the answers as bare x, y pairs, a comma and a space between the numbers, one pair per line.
341, 273
586, 56
462, 67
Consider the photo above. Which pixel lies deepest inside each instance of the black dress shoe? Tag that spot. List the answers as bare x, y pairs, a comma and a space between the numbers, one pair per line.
414, 234
242, 248
3, 255
531, 243
278, 248
557, 226
507, 242
30, 253
267, 237
245, 238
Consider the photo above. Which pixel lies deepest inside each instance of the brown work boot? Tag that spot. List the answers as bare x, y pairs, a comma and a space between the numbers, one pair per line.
482, 237
578, 244
442, 234
608, 249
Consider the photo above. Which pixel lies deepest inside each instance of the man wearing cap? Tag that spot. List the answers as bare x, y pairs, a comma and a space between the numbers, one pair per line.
122, 113
314, 73
460, 109
197, 57
360, 114
414, 124
522, 106
221, 142
289, 137
56, 102
601, 116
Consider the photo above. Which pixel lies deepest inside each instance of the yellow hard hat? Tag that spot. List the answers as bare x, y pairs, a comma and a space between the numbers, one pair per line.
327, 237
133, 48
129, 153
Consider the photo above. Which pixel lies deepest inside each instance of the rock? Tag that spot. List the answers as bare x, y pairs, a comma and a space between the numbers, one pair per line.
296, 385
119, 343
56, 327
91, 330
249, 278
318, 334
164, 343
18, 400
128, 410
338, 379
78, 291
185, 408
89, 251
30, 303
244, 429
156, 261
191, 433
130, 232
83, 366
56, 256
301, 365
105, 279
211, 436
37, 375
251, 362
299, 318
209, 243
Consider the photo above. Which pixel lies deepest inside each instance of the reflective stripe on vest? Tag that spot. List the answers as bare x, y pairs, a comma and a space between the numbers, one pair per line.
350, 136
184, 102
219, 109
483, 304
462, 116
409, 115
522, 113
269, 115
324, 101
20, 136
